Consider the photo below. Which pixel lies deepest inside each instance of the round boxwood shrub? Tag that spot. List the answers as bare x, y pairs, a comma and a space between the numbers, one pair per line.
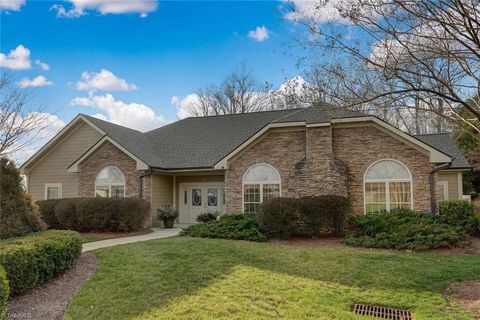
325, 214
460, 213
208, 216
280, 218
33, 259
4, 293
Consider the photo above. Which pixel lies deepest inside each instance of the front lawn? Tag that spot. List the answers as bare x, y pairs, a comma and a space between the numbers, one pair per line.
187, 278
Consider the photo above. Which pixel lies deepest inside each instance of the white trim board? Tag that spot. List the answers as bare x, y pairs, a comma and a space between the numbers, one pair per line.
74, 167
52, 185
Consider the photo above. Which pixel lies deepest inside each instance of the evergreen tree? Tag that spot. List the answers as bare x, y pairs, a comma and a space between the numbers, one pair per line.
17, 214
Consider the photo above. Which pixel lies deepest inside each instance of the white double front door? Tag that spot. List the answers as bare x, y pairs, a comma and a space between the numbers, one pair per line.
196, 198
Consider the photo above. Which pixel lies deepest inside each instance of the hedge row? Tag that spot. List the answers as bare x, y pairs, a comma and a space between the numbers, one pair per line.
305, 217
95, 214
33, 259
4, 293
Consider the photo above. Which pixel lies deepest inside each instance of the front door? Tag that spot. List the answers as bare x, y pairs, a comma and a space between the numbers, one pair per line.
197, 198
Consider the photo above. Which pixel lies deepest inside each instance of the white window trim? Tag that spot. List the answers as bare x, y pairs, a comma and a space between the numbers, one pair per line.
53, 185
445, 189
124, 185
261, 183
387, 185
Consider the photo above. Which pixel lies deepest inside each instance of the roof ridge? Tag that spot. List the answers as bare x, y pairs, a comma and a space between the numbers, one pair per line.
109, 122
242, 114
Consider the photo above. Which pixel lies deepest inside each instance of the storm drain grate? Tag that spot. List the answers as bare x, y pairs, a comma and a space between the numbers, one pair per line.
382, 312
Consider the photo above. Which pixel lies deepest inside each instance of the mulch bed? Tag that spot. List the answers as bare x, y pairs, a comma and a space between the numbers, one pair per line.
466, 295
49, 301
338, 242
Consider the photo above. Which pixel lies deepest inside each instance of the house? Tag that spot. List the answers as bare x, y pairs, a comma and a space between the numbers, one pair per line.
232, 163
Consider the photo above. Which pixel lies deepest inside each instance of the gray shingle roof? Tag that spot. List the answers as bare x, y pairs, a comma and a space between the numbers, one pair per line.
445, 143
202, 142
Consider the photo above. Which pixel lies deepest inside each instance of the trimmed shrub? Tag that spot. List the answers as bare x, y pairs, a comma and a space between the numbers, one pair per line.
33, 259
66, 213
208, 216
307, 217
460, 213
280, 218
97, 214
47, 212
17, 214
129, 214
404, 229
325, 214
236, 226
4, 293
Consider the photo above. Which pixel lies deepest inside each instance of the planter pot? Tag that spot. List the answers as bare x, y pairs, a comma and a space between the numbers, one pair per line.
168, 223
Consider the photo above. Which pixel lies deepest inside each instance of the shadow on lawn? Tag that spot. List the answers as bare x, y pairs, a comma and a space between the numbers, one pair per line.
134, 279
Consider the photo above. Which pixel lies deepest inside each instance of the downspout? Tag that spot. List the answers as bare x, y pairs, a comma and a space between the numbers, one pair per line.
149, 172
432, 184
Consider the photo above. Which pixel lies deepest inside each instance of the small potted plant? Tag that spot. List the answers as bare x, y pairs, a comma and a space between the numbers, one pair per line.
168, 214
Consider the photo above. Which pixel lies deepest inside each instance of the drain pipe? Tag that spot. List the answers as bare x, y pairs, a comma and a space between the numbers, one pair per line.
432, 184
149, 172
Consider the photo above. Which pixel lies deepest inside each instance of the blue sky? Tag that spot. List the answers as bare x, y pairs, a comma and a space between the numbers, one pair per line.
177, 48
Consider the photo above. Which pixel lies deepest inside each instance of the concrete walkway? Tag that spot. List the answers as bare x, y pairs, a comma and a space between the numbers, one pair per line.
156, 234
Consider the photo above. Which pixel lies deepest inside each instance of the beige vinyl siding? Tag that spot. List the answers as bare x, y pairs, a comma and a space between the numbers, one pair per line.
452, 179
52, 167
162, 191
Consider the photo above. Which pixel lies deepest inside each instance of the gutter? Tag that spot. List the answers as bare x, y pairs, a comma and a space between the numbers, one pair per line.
432, 184
141, 181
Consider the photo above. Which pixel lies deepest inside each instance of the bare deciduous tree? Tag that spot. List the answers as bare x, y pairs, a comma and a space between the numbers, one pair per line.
422, 56
19, 126
240, 92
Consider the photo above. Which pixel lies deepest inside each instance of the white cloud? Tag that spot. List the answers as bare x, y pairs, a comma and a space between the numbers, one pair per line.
44, 66
39, 81
259, 34
11, 5
133, 115
298, 87
183, 105
16, 59
104, 80
80, 7
330, 11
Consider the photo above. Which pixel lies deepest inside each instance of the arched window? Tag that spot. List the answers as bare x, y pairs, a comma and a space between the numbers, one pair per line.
388, 185
110, 183
261, 182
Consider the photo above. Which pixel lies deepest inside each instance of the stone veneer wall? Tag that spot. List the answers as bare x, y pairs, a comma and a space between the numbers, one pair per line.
282, 150
359, 147
109, 155
303, 159
327, 160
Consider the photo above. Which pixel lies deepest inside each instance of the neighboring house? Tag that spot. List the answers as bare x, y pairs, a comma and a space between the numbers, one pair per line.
232, 163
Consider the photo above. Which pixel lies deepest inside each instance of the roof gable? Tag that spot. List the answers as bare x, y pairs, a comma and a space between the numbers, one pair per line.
206, 142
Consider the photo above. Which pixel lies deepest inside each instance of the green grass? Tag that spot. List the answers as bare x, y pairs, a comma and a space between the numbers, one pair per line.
186, 278
86, 238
